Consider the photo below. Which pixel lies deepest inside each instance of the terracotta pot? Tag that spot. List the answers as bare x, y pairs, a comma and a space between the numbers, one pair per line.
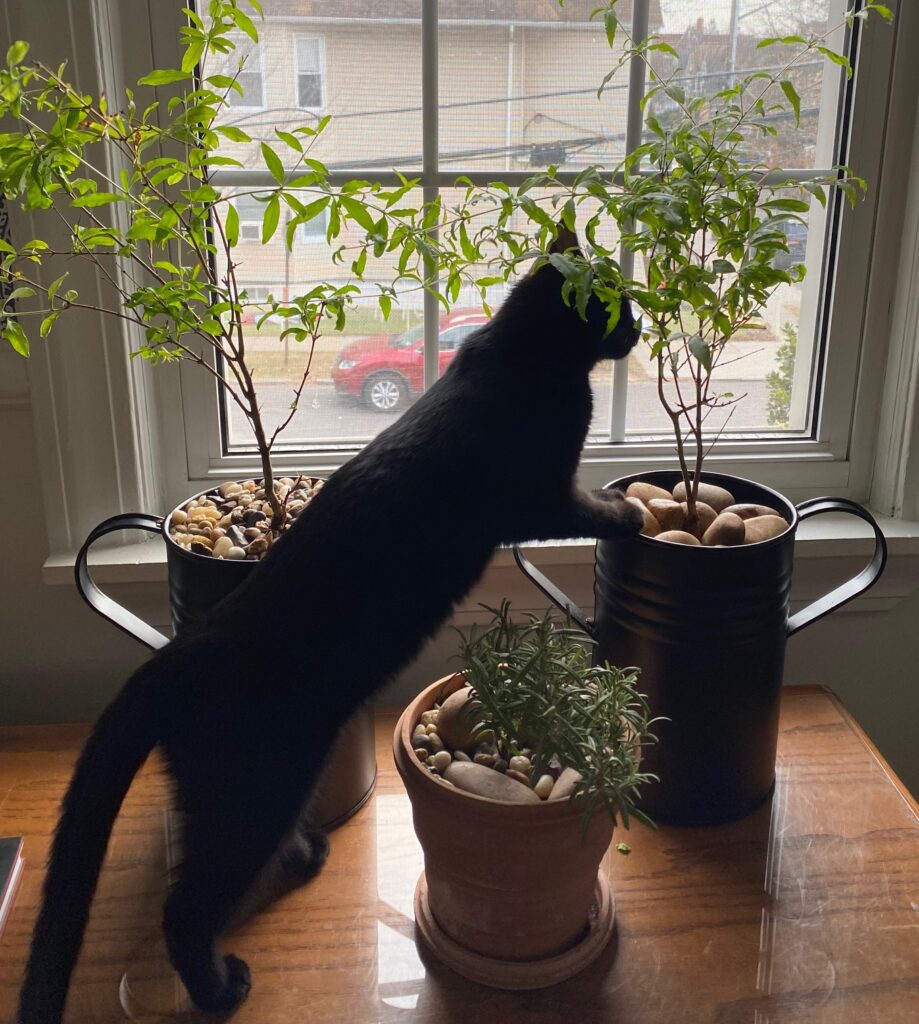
707, 626
196, 584
510, 895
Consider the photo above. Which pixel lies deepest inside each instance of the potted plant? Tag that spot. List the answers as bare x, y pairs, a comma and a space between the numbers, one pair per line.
700, 602
125, 189
518, 767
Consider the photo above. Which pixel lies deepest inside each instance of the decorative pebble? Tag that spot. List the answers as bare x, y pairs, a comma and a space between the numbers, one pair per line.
419, 737
677, 537
461, 755
440, 760
544, 786
437, 744
751, 511
429, 717
519, 764
198, 548
482, 781
235, 554
667, 512
727, 529
222, 546
705, 515
500, 765
485, 760
178, 517
518, 776
764, 528
237, 536
421, 754
711, 494
456, 720
565, 784
646, 492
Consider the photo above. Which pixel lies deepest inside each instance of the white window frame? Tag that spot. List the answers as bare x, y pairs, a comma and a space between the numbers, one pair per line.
119, 445
323, 85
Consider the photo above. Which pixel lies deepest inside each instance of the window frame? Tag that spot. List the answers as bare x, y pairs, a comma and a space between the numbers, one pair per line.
800, 464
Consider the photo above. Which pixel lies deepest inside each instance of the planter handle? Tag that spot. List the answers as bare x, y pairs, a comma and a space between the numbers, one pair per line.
101, 603
853, 587
553, 593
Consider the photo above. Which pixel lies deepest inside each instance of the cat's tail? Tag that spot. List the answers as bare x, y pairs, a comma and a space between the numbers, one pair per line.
123, 737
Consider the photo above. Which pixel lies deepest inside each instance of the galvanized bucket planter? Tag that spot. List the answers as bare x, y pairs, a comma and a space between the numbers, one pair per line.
196, 584
708, 628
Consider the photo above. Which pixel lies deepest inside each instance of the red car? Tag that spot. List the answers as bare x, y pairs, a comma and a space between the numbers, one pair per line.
385, 371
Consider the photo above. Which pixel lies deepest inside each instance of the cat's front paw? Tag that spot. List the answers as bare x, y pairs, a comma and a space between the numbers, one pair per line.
627, 518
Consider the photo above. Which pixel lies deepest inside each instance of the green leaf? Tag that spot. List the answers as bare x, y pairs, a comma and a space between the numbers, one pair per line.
357, 267
273, 163
15, 335
20, 293
48, 323
837, 58
885, 12
701, 351
232, 133
270, 221
163, 77
192, 55
244, 23
357, 212
610, 22
385, 306
231, 225
96, 199
787, 40
16, 53
791, 94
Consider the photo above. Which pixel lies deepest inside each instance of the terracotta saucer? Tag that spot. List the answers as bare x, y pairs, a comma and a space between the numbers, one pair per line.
513, 974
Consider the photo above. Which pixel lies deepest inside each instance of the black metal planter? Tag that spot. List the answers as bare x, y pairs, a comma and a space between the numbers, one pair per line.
196, 584
707, 627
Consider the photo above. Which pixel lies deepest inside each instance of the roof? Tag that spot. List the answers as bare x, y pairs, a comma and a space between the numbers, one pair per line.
519, 11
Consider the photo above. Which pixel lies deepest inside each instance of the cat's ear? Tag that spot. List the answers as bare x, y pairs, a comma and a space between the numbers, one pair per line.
565, 240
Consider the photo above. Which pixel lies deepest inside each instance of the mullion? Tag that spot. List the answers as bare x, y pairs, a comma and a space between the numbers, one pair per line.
430, 142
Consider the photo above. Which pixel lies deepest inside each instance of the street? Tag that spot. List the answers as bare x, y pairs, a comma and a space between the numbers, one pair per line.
325, 418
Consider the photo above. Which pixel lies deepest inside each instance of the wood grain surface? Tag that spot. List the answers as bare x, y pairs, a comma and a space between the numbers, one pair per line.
805, 912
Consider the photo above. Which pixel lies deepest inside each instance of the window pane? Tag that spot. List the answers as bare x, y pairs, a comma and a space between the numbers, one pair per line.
768, 369
358, 62
718, 44
360, 380
518, 86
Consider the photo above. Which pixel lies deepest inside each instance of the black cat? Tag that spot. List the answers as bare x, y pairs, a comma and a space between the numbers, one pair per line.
370, 570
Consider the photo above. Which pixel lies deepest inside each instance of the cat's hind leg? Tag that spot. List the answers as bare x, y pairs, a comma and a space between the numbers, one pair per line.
226, 850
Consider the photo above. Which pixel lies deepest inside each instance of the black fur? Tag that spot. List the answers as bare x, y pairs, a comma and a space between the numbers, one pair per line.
371, 569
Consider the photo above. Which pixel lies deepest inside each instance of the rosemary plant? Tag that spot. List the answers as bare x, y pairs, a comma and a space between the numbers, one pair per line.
536, 689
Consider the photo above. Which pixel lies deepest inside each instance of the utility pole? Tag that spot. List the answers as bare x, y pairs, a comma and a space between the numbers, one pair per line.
732, 31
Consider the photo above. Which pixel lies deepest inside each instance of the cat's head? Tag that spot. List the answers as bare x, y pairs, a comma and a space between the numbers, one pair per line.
624, 336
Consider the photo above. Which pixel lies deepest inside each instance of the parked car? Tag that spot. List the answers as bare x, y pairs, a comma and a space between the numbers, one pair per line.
796, 234
387, 370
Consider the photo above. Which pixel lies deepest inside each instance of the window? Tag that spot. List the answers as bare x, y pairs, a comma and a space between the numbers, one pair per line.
503, 89
250, 212
310, 73
246, 64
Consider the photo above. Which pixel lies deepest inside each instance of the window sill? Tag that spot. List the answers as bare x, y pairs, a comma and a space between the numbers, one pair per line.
829, 549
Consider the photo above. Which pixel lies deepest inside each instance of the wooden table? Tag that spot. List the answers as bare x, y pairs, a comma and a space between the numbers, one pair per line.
806, 912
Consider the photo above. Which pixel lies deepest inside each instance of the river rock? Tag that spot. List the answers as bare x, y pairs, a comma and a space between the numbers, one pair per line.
440, 760
667, 512
750, 511
544, 786
764, 528
652, 527
221, 546
727, 529
518, 776
519, 764
711, 494
457, 718
482, 781
646, 492
678, 537
565, 784
706, 516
